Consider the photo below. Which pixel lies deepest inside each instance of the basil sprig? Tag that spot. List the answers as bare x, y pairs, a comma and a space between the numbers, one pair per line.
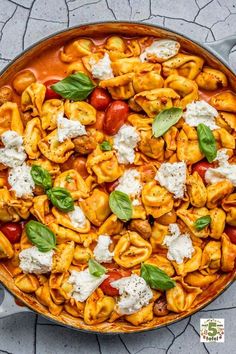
206, 142
75, 87
120, 205
40, 236
202, 222
41, 177
165, 119
105, 146
156, 278
95, 268
61, 199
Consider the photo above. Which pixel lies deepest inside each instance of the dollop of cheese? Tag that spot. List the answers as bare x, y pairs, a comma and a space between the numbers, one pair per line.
101, 252
134, 294
125, 141
224, 171
21, 181
179, 245
102, 68
68, 129
163, 49
172, 176
84, 284
12, 155
34, 261
130, 183
77, 217
200, 112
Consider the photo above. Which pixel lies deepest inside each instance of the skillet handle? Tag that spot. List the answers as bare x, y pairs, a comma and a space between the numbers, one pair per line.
222, 46
8, 305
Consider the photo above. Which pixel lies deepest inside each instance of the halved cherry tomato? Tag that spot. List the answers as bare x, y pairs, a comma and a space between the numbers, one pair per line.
231, 232
110, 186
49, 92
201, 167
12, 231
116, 116
100, 99
112, 276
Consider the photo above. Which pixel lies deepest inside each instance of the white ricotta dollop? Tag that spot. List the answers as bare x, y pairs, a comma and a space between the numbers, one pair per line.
102, 68
224, 171
84, 284
162, 49
130, 183
134, 294
12, 154
200, 112
77, 217
101, 251
68, 129
179, 245
21, 181
125, 141
172, 176
34, 261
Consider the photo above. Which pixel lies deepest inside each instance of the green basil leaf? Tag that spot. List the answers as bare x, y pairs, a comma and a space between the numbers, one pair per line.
95, 268
206, 142
41, 177
75, 87
40, 236
165, 119
202, 222
61, 199
105, 146
156, 278
121, 205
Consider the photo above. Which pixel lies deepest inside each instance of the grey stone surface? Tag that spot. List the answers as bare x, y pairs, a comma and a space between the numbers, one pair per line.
22, 22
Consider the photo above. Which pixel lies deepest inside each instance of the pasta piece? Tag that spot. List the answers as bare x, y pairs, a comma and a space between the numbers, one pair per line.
156, 199
96, 207
131, 250
80, 111
211, 79
161, 262
104, 165
197, 279
82, 255
147, 77
181, 297
124, 65
229, 205
190, 216
10, 118
73, 182
211, 256
216, 192
154, 101
98, 308
185, 88
120, 87
150, 146
51, 109
40, 208
64, 220
43, 295
28, 283
64, 235
196, 190
55, 151
63, 257
111, 226
191, 264
142, 316
217, 224
32, 99
33, 134
188, 149
76, 49
74, 308
184, 65
224, 101
6, 250
228, 254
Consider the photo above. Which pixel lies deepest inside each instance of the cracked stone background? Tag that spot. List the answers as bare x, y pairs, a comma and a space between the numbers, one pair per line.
22, 22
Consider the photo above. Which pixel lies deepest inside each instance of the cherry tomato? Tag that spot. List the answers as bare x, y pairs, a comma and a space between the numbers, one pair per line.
116, 115
110, 186
231, 232
100, 99
49, 92
12, 231
201, 167
112, 276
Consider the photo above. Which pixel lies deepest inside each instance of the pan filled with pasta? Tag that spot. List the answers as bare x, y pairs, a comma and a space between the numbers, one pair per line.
117, 177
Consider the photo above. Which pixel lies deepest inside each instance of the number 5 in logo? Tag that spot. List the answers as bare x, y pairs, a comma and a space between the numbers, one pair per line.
212, 329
